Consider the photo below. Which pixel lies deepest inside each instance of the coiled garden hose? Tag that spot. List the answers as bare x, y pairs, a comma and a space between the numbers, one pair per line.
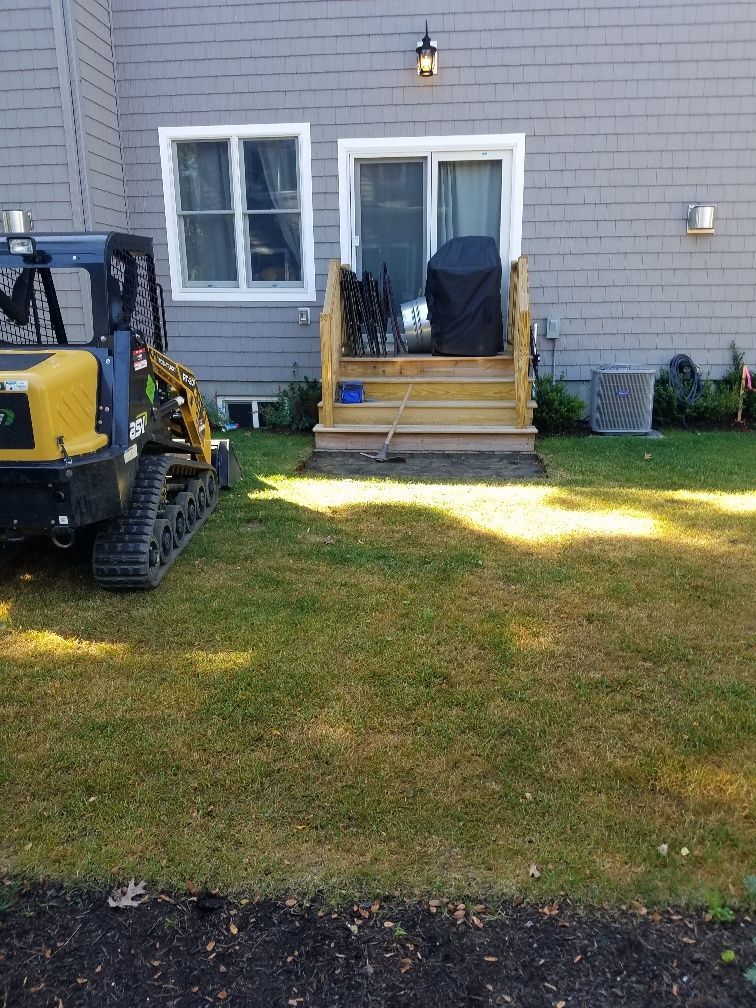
685, 379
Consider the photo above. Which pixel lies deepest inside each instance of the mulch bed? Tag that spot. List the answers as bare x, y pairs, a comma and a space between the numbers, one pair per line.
437, 467
64, 948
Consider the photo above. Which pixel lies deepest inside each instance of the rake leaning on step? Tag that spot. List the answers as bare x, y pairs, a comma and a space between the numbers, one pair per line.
383, 455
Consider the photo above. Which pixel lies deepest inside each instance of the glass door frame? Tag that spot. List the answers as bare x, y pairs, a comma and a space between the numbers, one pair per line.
486, 146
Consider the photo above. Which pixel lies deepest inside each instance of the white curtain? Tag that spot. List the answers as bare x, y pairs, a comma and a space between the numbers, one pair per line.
469, 199
279, 165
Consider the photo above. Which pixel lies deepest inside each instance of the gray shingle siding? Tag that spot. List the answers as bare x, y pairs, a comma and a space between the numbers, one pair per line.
34, 170
630, 110
97, 102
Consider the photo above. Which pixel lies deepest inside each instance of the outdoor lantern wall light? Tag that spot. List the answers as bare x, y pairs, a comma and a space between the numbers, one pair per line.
427, 55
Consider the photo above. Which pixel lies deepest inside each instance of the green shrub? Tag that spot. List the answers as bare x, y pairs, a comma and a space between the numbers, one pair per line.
296, 408
668, 408
218, 420
557, 410
731, 381
717, 405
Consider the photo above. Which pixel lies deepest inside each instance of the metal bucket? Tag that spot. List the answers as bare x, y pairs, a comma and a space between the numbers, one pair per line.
417, 328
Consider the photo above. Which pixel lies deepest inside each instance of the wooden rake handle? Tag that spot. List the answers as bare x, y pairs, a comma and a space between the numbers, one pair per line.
395, 424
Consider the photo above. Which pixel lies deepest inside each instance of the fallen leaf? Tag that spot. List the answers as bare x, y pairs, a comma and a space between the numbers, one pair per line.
655, 917
561, 1004
210, 946
191, 888
194, 990
434, 904
577, 958
233, 928
48, 953
388, 924
154, 962
477, 921
222, 995
82, 980
639, 908
684, 851
406, 964
458, 914
131, 895
528, 796
689, 941
533, 871
663, 849
290, 903
222, 968
675, 990
490, 959
647, 455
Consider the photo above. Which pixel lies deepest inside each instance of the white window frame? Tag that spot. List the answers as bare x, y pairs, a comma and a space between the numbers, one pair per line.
434, 148
254, 402
241, 293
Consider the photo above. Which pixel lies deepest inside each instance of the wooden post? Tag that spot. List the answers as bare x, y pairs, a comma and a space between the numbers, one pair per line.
521, 346
330, 340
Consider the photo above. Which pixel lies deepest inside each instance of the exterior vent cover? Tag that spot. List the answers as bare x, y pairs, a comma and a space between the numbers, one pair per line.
622, 399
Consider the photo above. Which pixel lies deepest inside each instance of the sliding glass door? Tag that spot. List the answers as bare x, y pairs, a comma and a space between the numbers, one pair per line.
404, 208
391, 221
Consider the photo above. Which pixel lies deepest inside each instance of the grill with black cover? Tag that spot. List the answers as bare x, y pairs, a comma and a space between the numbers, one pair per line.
463, 291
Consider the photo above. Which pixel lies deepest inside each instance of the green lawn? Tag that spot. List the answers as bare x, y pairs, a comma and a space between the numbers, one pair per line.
385, 686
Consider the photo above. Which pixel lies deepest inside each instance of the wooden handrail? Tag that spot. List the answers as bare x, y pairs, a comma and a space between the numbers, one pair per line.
518, 335
331, 331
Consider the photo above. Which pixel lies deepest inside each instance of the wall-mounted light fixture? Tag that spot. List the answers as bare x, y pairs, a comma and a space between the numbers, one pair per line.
427, 55
700, 218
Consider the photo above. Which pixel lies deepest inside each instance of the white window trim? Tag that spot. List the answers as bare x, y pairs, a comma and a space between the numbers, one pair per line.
254, 402
249, 295
352, 149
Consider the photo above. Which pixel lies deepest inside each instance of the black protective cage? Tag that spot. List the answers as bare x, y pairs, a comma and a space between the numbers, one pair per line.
124, 291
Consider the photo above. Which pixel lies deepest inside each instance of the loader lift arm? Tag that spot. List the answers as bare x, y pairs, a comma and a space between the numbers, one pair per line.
195, 428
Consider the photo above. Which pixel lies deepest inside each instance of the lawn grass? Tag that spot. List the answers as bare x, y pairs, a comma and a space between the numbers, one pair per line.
368, 685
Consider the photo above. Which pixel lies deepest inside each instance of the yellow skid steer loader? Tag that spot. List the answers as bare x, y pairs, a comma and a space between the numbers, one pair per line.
99, 428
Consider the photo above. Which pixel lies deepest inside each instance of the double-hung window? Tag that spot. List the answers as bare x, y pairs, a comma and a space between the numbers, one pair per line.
238, 207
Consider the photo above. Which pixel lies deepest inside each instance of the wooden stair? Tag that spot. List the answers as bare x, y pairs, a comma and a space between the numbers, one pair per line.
456, 403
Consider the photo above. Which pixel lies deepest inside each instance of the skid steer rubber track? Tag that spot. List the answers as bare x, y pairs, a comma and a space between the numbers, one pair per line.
135, 551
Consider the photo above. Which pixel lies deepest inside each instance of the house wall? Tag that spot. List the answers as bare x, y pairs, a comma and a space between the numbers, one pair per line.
630, 112
59, 139
95, 95
36, 170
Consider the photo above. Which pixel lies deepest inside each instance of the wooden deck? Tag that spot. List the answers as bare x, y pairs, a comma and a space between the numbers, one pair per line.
456, 404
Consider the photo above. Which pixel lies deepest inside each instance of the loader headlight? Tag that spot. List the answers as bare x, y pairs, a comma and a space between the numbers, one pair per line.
22, 246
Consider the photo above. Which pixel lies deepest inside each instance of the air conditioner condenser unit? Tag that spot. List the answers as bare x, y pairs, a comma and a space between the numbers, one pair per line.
622, 399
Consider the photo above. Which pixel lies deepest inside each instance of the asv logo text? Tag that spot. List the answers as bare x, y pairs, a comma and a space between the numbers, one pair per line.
138, 426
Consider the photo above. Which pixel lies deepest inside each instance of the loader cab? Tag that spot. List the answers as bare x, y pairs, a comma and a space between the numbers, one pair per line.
79, 289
